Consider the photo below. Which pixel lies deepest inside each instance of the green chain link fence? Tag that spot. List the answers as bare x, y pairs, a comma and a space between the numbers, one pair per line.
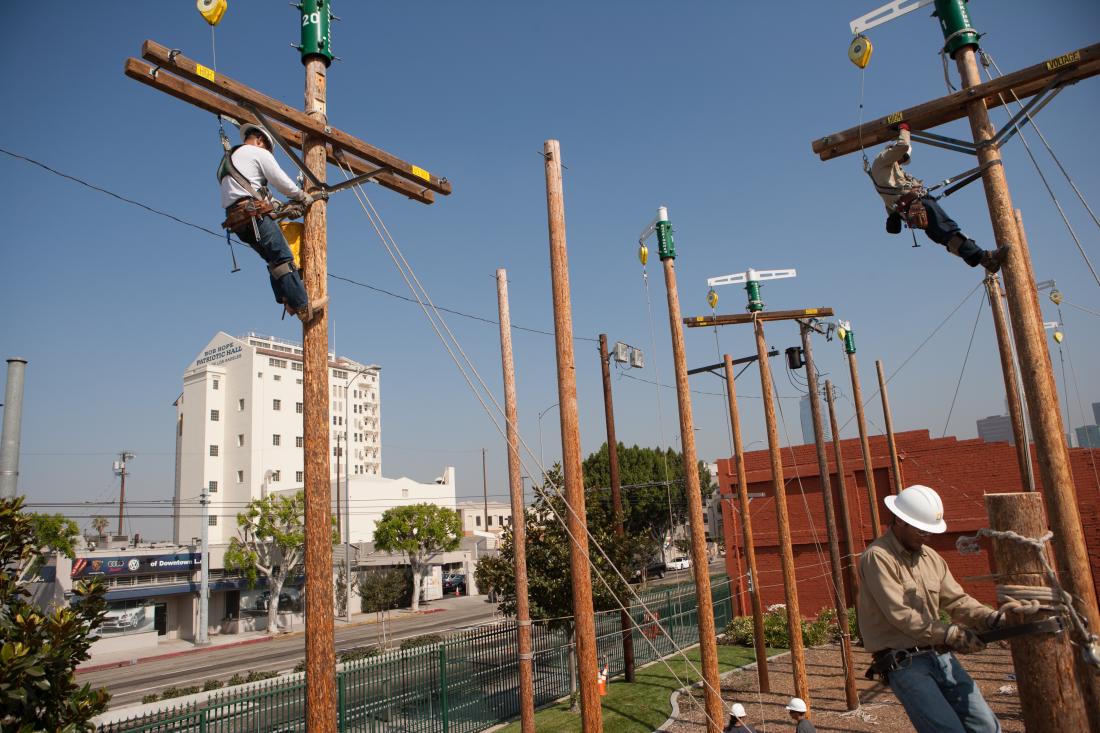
467, 683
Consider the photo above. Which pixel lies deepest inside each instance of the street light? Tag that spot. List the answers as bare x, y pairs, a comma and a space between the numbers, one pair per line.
347, 497
542, 456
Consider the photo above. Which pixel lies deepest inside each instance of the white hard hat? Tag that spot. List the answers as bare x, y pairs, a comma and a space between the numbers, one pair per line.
737, 710
250, 128
919, 506
797, 705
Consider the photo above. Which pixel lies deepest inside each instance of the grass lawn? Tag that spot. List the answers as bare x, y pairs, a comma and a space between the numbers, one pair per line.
642, 706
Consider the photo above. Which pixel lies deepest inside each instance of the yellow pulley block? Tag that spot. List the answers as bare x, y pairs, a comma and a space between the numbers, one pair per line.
1058, 336
212, 10
643, 254
292, 230
712, 298
859, 52
1056, 296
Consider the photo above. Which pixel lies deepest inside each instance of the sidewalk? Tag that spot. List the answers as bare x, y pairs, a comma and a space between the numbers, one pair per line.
176, 647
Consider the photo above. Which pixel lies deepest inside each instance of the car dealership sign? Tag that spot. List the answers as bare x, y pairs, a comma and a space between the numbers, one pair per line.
84, 567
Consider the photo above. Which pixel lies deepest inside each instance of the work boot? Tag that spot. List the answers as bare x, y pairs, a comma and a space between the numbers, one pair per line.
307, 312
992, 259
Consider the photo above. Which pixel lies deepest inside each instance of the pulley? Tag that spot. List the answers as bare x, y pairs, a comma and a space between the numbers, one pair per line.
1056, 296
643, 253
1058, 336
712, 298
859, 51
212, 10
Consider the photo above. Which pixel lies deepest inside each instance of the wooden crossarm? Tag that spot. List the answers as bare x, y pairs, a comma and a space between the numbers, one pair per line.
197, 74
734, 318
1068, 68
181, 89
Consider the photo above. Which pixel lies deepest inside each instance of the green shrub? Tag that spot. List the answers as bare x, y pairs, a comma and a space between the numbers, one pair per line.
776, 632
151, 697
255, 676
235, 680
212, 684
423, 640
300, 666
357, 653
171, 692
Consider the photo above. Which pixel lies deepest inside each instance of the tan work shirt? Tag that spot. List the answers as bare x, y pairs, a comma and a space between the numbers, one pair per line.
891, 180
901, 594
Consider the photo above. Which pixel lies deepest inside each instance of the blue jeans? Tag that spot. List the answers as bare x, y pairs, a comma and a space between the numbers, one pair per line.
940, 697
273, 248
942, 229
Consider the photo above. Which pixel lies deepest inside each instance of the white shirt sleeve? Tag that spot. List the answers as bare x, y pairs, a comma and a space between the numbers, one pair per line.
275, 176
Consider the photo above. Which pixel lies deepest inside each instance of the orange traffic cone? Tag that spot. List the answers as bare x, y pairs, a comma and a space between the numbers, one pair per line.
601, 681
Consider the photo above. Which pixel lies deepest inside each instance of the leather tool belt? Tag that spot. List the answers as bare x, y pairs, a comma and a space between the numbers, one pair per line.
912, 210
885, 661
243, 211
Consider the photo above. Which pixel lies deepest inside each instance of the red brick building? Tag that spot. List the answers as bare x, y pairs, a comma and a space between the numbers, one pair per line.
961, 471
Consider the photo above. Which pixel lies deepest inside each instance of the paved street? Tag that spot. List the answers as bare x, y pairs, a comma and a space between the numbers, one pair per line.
129, 683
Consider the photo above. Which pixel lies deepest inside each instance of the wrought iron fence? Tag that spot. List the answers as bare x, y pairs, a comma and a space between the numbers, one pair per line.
464, 684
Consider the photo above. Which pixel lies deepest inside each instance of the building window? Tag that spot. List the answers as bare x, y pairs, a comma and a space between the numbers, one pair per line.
212, 487
215, 415
339, 374
277, 378
240, 477
281, 363
297, 381
299, 476
276, 404
276, 476
215, 383
296, 366
240, 405
298, 407
212, 520
276, 439
488, 520
259, 375
299, 441
404, 493
500, 521
477, 520
240, 440
214, 450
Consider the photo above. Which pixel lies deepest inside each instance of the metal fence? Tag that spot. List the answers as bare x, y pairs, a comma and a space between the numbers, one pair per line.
464, 684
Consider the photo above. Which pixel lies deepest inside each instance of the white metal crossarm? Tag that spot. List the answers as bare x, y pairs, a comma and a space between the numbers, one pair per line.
750, 275
889, 11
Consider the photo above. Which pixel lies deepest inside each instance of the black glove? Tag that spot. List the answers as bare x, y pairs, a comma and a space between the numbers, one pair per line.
893, 223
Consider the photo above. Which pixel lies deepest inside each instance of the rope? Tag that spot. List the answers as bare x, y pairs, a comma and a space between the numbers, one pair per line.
951, 410
1062, 601
859, 126
421, 295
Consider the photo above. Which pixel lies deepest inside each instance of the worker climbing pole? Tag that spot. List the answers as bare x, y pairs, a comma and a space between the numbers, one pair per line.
1039, 82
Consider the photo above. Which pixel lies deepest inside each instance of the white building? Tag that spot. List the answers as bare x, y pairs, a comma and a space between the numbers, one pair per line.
474, 518
370, 497
239, 427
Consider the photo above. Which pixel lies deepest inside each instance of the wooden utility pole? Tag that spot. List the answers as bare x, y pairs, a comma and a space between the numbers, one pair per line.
584, 619
842, 501
850, 693
887, 416
320, 640
1012, 385
120, 469
861, 421
519, 506
1043, 662
746, 531
708, 640
625, 620
786, 554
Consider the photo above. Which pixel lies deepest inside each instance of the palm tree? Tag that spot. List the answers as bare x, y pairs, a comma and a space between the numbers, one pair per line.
99, 523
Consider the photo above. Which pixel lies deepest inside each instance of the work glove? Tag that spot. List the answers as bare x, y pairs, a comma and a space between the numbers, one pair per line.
962, 640
306, 199
1021, 609
903, 126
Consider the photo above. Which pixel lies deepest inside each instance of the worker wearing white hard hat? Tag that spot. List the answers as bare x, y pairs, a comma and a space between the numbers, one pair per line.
799, 713
904, 587
737, 722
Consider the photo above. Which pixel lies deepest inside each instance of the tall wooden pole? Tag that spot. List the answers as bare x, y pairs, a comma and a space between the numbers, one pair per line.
1043, 662
1012, 385
842, 501
122, 494
1038, 375
786, 553
850, 693
887, 416
320, 643
746, 531
616, 497
584, 619
708, 640
519, 524
864, 444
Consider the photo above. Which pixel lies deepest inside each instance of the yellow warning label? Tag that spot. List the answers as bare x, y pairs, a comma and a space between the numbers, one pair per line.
895, 118
1063, 60
204, 72
421, 173
812, 311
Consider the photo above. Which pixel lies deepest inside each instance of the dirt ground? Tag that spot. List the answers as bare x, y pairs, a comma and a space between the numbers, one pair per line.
879, 709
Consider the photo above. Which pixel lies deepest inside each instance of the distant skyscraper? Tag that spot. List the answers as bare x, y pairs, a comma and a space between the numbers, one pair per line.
1096, 412
996, 429
808, 421
1088, 436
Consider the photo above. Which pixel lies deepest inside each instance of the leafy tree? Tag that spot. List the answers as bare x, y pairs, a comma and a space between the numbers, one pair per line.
420, 531
271, 543
380, 592
39, 652
52, 533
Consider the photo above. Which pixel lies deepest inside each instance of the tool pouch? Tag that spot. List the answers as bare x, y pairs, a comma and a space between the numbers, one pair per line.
893, 223
911, 209
244, 211
884, 662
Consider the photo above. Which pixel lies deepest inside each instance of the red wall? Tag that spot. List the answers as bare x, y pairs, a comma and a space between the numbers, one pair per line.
961, 471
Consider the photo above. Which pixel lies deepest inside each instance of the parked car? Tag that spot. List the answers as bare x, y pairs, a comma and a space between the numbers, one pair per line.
290, 599
655, 569
454, 582
679, 563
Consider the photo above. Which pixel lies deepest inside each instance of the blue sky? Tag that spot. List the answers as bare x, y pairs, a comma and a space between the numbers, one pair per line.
706, 107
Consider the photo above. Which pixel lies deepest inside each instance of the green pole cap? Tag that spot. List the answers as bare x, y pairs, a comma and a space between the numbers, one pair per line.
849, 342
316, 30
955, 24
666, 249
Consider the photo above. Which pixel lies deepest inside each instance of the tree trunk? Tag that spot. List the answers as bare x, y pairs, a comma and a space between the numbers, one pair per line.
276, 586
415, 605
